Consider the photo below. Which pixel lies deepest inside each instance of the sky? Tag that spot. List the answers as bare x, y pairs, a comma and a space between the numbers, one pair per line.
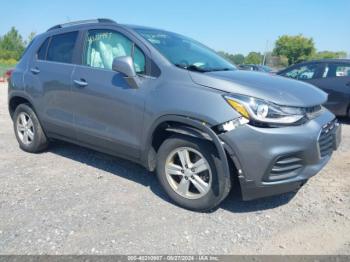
235, 26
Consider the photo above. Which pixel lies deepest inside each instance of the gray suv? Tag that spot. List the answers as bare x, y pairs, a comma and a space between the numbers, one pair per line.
173, 105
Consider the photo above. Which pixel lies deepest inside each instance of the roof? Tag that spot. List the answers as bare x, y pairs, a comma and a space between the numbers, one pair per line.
83, 22
98, 21
141, 27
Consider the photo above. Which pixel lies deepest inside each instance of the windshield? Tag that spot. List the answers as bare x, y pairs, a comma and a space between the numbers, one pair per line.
185, 52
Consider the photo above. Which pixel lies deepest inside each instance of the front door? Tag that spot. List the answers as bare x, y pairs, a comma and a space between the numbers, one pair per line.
108, 113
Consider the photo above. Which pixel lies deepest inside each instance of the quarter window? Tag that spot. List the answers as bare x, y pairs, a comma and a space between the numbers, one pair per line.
342, 70
103, 46
61, 47
41, 55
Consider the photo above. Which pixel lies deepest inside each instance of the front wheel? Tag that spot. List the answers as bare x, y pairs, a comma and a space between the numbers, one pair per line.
187, 170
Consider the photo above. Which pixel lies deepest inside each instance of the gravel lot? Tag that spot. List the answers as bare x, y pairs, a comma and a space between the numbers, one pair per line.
71, 200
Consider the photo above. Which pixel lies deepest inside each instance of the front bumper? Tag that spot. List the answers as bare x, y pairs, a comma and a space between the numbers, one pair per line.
276, 160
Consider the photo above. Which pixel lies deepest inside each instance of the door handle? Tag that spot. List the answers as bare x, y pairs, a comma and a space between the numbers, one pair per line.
80, 83
35, 70
348, 84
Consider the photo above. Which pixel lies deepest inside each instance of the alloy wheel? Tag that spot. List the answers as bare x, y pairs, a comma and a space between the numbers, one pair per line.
188, 173
25, 128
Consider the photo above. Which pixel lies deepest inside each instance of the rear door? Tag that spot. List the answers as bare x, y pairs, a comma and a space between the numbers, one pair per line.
49, 83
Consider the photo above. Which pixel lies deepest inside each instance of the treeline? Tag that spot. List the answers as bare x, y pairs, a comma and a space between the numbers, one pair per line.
288, 50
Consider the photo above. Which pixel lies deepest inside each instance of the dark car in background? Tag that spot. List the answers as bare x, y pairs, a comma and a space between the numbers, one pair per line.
330, 75
252, 67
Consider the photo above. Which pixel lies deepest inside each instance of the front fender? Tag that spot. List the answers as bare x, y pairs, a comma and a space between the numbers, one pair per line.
201, 129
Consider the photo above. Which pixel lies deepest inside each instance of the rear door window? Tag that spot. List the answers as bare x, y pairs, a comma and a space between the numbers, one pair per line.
62, 47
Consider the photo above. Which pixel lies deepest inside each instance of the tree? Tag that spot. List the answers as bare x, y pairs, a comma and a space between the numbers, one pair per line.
30, 38
11, 45
296, 48
225, 55
238, 59
253, 58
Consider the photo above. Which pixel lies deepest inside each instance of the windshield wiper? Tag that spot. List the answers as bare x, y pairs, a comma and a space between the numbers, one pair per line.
220, 69
192, 68
203, 70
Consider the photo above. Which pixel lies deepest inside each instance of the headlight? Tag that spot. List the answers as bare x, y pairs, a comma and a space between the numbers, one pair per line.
258, 110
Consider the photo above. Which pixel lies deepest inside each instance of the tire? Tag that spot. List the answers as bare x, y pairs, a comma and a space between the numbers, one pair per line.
29, 133
168, 161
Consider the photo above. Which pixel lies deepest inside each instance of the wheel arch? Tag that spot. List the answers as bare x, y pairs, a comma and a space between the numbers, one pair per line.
168, 125
15, 100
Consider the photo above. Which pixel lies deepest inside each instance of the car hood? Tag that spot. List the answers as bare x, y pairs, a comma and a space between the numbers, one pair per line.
273, 88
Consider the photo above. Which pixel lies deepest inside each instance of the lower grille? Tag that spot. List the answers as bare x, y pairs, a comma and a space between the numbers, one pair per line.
285, 167
326, 138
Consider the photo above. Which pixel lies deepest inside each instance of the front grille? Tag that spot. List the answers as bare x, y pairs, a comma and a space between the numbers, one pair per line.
285, 167
326, 138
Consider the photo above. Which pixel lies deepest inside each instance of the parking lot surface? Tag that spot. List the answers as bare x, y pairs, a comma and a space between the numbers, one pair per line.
71, 200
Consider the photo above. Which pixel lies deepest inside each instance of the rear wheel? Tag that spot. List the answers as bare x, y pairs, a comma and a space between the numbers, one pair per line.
187, 170
28, 131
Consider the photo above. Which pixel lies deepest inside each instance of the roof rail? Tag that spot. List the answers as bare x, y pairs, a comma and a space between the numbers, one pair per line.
81, 22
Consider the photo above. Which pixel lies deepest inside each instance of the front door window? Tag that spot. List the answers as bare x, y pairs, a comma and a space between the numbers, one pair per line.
305, 72
104, 45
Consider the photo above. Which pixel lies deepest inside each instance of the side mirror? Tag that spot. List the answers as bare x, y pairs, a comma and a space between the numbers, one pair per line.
125, 65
